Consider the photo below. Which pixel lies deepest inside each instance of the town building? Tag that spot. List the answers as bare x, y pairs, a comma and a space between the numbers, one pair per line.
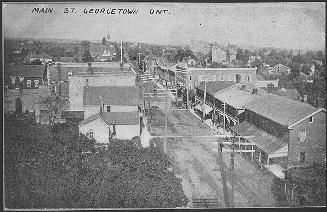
286, 133
194, 76
110, 99
218, 54
226, 100
97, 76
281, 69
104, 126
24, 86
110, 112
263, 83
103, 52
231, 55
252, 58
24, 76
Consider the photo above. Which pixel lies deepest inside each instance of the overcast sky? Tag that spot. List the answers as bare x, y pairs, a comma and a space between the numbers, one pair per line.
281, 25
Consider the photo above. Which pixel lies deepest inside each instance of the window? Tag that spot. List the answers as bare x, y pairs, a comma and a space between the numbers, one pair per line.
5, 89
53, 89
108, 108
301, 136
214, 78
13, 80
70, 73
90, 134
29, 83
228, 77
310, 119
36, 83
201, 78
302, 157
222, 78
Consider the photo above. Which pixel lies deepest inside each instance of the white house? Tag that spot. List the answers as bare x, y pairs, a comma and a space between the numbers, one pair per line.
106, 125
110, 112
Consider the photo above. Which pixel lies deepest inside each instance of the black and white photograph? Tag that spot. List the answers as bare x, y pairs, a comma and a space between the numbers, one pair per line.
162, 105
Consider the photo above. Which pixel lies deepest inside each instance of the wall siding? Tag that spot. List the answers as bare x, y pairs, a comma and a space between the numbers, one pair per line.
315, 144
100, 129
77, 83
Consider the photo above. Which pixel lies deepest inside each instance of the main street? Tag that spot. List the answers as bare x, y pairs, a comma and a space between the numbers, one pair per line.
205, 174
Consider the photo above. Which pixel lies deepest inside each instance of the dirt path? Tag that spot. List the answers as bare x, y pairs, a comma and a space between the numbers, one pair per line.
205, 174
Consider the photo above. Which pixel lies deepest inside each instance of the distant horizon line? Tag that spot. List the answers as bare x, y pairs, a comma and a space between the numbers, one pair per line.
171, 44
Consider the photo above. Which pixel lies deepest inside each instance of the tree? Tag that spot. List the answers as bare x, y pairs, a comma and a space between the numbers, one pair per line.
69, 171
295, 71
87, 56
104, 41
306, 69
86, 45
54, 106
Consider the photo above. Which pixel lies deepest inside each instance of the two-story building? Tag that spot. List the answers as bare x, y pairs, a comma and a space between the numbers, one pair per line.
226, 100
24, 76
286, 133
114, 77
110, 112
194, 76
24, 86
282, 69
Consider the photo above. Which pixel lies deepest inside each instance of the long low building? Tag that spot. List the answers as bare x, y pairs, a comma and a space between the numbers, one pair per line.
286, 133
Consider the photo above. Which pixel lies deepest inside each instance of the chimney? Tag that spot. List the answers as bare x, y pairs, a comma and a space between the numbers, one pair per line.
101, 107
89, 64
59, 71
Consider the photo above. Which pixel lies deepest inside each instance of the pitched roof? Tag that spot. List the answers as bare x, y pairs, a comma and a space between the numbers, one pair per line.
236, 97
280, 109
111, 95
282, 66
55, 74
214, 87
260, 78
263, 140
25, 70
288, 93
110, 118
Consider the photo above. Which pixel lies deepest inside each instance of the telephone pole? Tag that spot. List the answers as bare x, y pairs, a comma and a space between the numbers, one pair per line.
166, 122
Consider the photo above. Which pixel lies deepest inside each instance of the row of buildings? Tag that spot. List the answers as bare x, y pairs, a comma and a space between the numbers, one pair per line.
287, 131
103, 97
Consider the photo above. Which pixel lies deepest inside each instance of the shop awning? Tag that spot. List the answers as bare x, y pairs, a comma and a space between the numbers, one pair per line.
207, 108
266, 142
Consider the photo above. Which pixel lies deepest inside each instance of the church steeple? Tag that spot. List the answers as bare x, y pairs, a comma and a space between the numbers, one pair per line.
108, 35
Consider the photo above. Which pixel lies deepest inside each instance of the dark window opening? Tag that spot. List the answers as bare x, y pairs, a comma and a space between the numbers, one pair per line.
302, 157
108, 108
310, 119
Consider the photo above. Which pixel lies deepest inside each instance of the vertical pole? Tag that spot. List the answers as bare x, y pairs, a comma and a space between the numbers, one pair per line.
224, 117
121, 52
204, 100
187, 95
252, 152
232, 175
165, 140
